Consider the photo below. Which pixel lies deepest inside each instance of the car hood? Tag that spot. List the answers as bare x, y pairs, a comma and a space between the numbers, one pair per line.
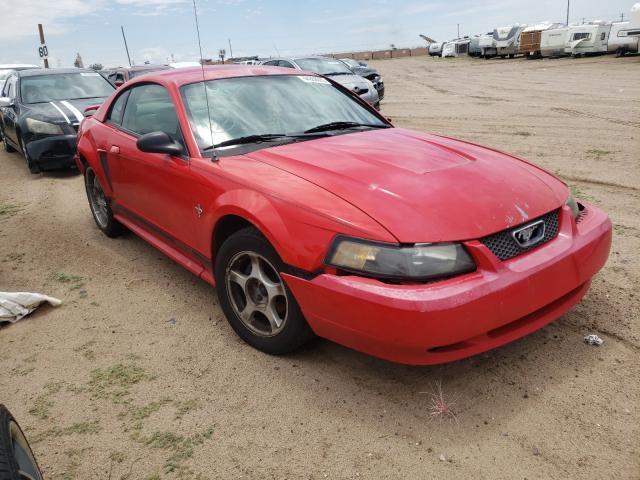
365, 71
421, 187
350, 81
61, 111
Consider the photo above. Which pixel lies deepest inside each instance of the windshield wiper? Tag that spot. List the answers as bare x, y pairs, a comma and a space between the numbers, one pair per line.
262, 138
343, 126
331, 74
265, 137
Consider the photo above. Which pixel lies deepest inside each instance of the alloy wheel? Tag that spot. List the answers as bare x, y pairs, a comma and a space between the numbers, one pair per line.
256, 293
98, 201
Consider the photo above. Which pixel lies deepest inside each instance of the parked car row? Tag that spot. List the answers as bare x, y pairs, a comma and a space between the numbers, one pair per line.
354, 75
547, 40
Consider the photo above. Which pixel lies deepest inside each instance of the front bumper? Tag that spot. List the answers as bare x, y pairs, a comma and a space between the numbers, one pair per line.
463, 316
53, 152
371, 97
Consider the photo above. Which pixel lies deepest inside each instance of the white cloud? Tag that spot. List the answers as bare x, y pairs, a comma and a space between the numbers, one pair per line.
21, 18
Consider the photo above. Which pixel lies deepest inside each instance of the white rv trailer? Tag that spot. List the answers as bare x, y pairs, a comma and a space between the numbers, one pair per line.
503, 41
456, 48
589, 38
620, 41
553, 42
508, 39
531, 36
487, 45
474, 46
435, 49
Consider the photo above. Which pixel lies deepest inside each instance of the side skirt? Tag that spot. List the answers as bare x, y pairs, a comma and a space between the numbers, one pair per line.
173, 248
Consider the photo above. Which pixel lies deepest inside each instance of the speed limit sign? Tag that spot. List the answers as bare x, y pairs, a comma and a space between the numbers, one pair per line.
43, 51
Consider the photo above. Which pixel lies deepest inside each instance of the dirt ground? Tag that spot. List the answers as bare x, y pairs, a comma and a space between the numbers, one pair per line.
138, 375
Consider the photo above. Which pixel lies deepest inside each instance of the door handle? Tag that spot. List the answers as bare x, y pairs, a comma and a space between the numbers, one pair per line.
114, 149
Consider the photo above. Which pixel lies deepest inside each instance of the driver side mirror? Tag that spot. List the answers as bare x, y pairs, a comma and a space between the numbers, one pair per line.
159, 142
6, 102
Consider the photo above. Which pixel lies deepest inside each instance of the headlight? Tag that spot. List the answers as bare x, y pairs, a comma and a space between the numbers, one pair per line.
44, 128
418, 262
573, 206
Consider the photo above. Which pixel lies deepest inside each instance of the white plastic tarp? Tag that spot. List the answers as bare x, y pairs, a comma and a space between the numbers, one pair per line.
17, 305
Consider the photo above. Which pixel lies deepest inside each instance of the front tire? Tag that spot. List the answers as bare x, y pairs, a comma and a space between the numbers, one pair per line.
100, 205
7, 148
16, 458
33, 167
255, 299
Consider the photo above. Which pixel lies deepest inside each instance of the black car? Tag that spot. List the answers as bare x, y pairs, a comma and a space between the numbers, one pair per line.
367, 72
40, 111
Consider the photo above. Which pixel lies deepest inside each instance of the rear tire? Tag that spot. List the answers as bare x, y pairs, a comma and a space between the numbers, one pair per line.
16, 457
255, 299
101, 206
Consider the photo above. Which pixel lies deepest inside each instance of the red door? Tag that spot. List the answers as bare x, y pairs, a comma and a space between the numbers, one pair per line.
152, 189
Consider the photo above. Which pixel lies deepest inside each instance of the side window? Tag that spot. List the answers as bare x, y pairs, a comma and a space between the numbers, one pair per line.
119, 77
271, 63
602, 35
150, 109
284, 63
117, 109
10, 87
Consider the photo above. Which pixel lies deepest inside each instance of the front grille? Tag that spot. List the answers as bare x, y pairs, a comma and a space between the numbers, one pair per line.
504, 246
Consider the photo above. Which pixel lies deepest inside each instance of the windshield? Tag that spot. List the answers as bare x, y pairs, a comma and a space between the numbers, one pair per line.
64, 86
323, 66
272, 104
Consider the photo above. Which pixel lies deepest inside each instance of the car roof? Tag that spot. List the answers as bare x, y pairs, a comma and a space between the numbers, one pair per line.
139, 68
184, 76
52, 71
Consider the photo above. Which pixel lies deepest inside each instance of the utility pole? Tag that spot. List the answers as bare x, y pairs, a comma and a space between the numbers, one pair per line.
568, 11
125, 44
43, 46
458, 31
622, 17
230, 50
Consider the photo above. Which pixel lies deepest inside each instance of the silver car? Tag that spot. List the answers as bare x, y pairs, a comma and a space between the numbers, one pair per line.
336, 70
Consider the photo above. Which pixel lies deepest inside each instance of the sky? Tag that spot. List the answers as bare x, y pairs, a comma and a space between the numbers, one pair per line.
158, 30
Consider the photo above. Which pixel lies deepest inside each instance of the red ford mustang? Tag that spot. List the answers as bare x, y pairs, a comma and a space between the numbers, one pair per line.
312, 214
